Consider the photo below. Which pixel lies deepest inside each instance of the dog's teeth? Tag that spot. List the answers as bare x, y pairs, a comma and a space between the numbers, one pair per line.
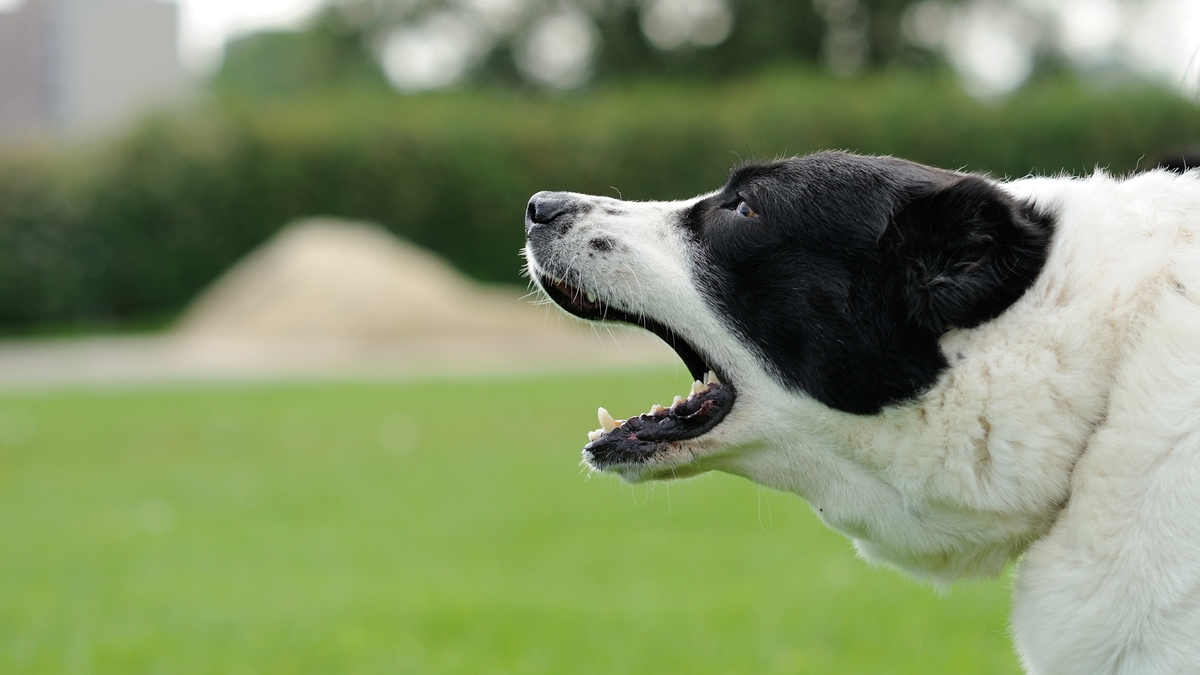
711, 378
678, 402
698, 387
656, 408
606, 420
591, 297
595, 435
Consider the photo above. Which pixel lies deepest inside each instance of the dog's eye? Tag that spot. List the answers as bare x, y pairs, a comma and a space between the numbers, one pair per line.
743, 209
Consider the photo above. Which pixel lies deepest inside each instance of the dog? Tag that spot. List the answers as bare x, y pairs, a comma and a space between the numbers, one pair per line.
954, 371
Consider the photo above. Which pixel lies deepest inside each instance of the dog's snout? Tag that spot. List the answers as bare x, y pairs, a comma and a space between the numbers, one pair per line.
546, 207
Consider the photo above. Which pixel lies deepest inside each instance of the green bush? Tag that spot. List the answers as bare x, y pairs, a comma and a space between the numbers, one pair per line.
136, 229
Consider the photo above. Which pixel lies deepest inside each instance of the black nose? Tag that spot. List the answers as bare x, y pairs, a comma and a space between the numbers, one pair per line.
545, 207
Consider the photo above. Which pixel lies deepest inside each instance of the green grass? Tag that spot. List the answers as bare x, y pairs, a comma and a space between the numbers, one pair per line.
434, 527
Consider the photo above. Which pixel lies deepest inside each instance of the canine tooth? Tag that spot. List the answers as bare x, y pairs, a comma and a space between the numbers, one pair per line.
595, 435
591, 297
606, 420
678, 402
698, 387
656, 408
711, 378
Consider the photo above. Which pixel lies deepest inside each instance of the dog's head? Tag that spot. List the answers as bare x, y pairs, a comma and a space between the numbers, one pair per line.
824, 280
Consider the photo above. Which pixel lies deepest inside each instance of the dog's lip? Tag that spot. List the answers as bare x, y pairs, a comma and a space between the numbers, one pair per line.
637, 439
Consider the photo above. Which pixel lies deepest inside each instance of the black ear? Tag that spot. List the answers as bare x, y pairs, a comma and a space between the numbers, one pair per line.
962, 254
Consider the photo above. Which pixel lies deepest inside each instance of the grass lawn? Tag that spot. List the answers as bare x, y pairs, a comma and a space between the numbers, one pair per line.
432, 527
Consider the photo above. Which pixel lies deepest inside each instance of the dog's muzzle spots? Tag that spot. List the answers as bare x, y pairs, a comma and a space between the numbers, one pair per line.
602, 244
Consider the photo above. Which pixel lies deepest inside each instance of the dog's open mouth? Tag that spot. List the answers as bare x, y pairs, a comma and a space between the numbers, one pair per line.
635, 440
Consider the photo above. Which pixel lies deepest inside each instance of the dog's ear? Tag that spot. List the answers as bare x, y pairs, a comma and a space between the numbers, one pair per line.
961, 253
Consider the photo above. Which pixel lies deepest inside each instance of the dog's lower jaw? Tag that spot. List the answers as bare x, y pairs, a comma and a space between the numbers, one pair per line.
719, 450
667, 461
644, 473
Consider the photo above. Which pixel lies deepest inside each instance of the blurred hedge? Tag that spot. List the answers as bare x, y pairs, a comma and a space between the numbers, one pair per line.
134, 230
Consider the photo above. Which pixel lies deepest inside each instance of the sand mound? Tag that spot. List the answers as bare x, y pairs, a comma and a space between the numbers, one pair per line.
336, 279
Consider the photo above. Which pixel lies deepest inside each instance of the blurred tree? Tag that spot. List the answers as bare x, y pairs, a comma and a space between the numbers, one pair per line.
426, 44
762, 33
848, 36
431, 44
330, 52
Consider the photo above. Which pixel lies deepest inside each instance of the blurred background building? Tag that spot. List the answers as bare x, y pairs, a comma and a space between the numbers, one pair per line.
70, 66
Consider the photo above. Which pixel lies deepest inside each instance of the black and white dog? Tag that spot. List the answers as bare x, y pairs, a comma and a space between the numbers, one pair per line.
951, 370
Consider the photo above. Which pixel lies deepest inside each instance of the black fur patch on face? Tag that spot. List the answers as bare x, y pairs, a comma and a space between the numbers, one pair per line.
851, 268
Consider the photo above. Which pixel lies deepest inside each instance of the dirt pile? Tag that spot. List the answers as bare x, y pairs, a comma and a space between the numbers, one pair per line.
335, 279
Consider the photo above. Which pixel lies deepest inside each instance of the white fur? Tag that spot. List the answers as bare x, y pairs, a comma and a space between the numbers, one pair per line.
1067, 429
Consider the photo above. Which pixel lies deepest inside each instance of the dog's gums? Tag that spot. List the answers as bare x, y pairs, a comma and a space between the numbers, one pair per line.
633, 440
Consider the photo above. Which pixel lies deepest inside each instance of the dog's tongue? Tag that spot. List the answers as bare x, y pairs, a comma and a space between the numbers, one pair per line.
619, 441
